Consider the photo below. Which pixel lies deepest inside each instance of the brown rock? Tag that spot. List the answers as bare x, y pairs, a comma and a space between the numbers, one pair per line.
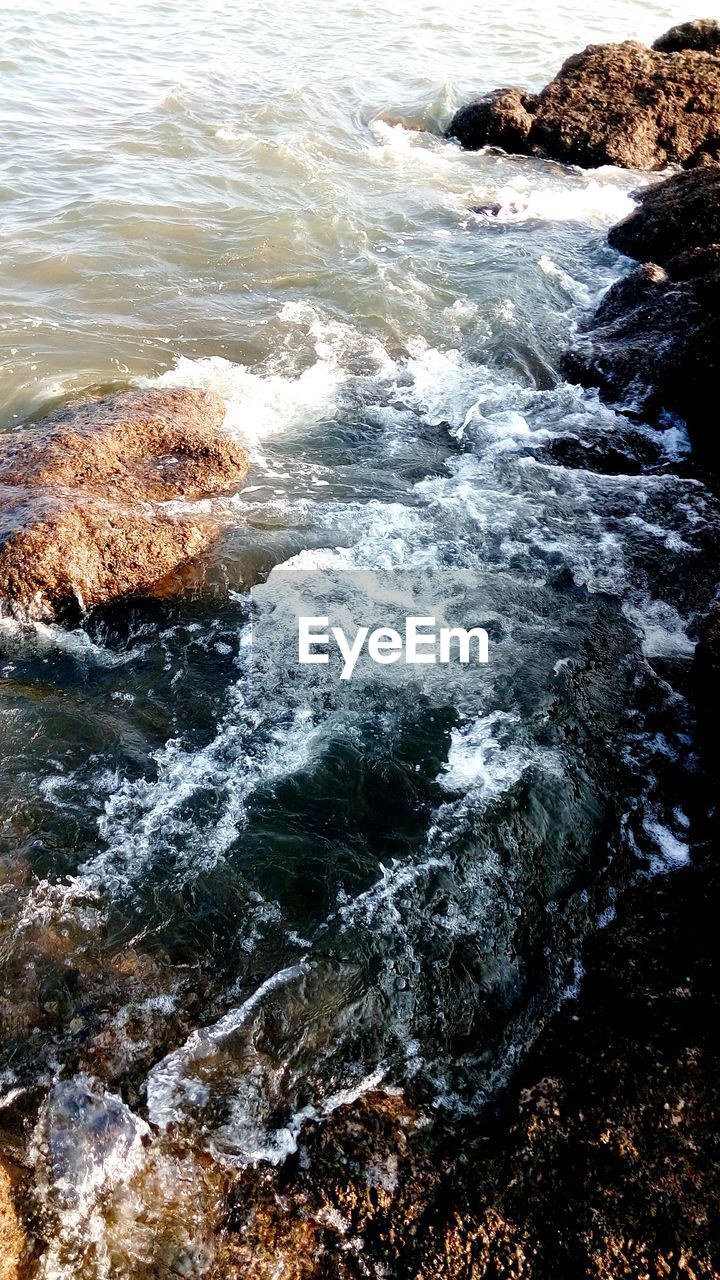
702, 34
672, 217
501, 119
12, 1236
80, 522
619, 104
149, 445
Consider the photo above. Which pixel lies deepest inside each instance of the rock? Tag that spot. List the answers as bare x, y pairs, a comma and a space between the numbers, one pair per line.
672, 217
502, 119
702, 34
654, 345
654, 342
600, 1161
80, 515
618, 104
12, 1236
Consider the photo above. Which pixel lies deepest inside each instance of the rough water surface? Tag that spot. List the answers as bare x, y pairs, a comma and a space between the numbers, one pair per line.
229, 907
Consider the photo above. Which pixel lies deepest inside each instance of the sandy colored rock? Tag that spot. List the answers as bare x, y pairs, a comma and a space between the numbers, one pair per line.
12, 1236
612, 104
80, 515
151, 445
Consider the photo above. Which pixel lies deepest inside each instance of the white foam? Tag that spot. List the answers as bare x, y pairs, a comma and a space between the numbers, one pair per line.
674, 851
663, 630
591, 201
484, 759
38, 639
259, 404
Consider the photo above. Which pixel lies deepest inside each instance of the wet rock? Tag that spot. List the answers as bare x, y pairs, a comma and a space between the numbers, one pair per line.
502, 119
111, 1202
619, 104
654, 343
12, 1236
80, 515
702, 34
602, 1162
706, 670
673, 217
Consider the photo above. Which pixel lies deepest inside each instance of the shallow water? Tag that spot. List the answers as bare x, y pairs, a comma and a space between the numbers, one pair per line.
384, 889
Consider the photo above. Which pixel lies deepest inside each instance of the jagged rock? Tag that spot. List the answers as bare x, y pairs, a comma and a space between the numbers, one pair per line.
80, 515
654, 342
672, 217
654, 345
601, 1162
620, 104
702, 34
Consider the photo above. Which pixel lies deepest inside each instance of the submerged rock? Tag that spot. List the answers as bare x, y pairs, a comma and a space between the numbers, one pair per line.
80, 520
620, 104
654, 342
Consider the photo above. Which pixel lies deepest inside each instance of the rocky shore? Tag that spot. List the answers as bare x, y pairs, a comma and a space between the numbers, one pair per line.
602, 1158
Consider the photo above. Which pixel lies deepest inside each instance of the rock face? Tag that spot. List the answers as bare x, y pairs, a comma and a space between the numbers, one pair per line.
80, 522
503, 118
619, 104
654, 342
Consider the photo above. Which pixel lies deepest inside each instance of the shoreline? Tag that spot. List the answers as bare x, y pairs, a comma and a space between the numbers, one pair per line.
598, 1161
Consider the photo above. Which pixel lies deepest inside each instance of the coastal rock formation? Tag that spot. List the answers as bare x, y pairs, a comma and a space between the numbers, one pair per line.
619, 104
654, 342
503, 117
80, 520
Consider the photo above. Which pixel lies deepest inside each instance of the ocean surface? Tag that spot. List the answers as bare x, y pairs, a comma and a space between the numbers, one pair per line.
226, 904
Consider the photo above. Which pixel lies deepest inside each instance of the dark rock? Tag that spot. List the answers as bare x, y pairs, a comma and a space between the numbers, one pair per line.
654, 342
702, 34
81, 520
672, 217
500, 119
619, 104
707, 687
654, 345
